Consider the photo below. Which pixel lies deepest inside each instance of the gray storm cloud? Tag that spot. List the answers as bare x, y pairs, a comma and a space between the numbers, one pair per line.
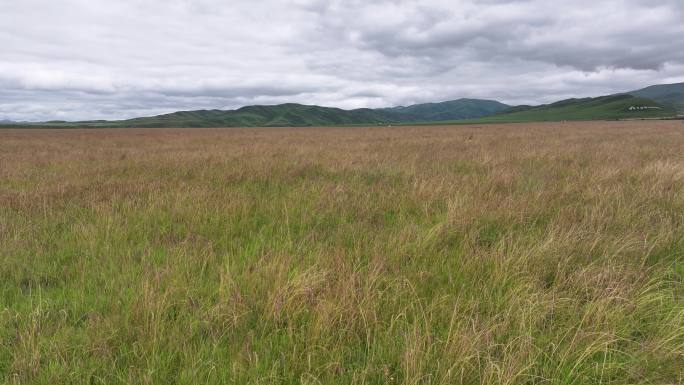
96, 59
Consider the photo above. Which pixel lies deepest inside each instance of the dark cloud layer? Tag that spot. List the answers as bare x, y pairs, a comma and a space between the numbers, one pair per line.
96, 59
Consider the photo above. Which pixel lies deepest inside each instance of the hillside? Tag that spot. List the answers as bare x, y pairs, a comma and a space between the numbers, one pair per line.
451, 110
284, 115
656, 102
265, 116
599, 108
668, 94
298, 115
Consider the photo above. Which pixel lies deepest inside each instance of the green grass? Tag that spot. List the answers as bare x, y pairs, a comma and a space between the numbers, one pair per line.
602, 108
451, 110
461, 111
428, 255
668, 94
283, 115
295, 115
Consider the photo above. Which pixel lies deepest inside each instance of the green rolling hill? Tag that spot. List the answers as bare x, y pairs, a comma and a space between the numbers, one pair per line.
661, 101
298, 115
283, 115
292, 115
451, 110
611, 107
671, 95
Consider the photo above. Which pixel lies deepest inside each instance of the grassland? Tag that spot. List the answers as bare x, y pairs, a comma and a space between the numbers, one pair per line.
668, 94
504, 254
611, 107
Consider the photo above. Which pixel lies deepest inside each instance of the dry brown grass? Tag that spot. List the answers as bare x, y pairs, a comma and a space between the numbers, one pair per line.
524, 253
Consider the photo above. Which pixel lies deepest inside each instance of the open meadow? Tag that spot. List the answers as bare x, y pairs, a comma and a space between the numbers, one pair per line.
546, 253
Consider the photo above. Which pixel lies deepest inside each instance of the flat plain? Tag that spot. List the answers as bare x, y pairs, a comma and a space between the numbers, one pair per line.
548, 253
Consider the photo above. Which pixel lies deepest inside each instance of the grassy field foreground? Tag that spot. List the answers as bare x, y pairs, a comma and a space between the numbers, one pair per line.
507, 254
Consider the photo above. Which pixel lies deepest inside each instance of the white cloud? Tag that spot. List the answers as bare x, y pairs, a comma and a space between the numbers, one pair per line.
92, 59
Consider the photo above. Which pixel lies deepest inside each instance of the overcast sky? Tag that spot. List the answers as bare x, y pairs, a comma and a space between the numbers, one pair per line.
109, 59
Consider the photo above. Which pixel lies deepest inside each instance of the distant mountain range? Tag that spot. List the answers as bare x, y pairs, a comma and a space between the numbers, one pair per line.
298, 115
671, 95
451, 110
621, 106
268, 116
658, 101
